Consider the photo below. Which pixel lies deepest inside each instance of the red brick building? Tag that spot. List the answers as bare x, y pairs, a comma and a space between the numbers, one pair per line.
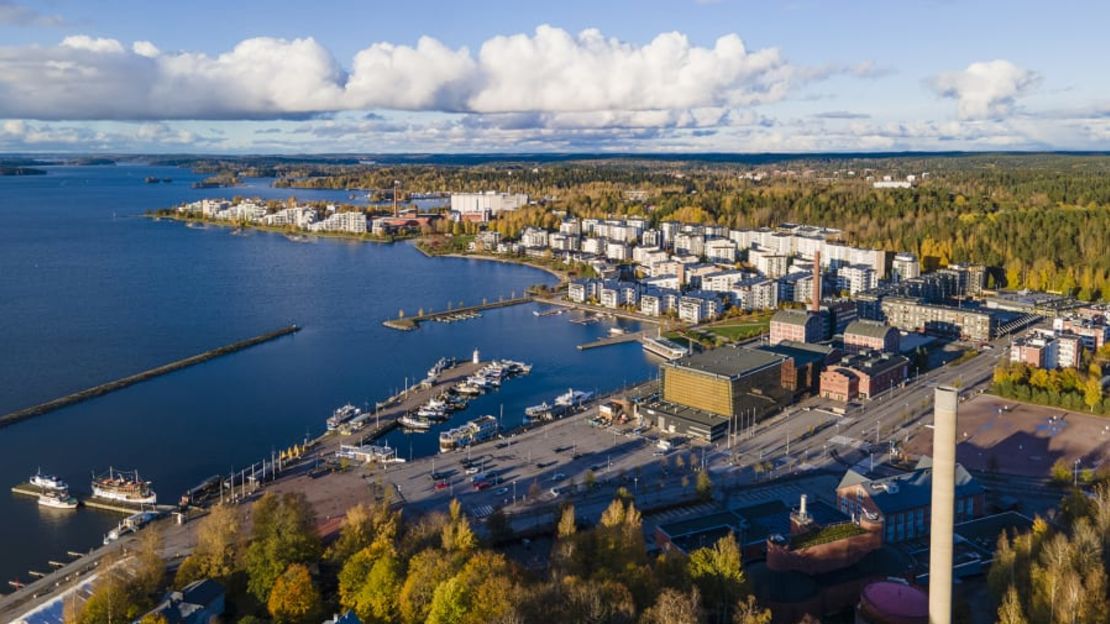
873, 373
871, 336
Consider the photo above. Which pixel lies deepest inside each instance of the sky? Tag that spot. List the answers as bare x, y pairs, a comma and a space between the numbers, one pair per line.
366, 76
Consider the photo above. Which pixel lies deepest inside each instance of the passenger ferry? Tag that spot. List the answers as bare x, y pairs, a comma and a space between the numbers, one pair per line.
123, 486
47, 481
342, 415
57, 499
478, 430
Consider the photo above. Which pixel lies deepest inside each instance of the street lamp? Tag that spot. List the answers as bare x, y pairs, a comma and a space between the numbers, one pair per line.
1075, 472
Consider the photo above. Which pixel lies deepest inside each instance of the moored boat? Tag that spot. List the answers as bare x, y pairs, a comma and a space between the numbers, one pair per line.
57, 499
47, 481
124, 487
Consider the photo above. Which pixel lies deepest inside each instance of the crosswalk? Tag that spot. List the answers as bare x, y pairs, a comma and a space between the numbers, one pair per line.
481, 511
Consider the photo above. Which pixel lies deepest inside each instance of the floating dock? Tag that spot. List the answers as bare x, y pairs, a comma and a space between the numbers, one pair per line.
409, 323
111, 386
612, 340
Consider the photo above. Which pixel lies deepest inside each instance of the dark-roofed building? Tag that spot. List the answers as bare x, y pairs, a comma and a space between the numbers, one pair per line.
199, 602
801, 371
871, 336
702, 392
703, 531
902, 502
797, 325
863, 375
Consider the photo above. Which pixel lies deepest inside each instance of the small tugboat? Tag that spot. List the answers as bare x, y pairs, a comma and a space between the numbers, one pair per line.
415, 422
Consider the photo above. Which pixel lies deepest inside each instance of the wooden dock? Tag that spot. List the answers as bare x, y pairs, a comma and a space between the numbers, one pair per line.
94, 502
612, 340
409, 323
119, 384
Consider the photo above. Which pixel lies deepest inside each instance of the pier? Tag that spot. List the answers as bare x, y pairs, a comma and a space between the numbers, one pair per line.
613, 340
119, 384
409, 323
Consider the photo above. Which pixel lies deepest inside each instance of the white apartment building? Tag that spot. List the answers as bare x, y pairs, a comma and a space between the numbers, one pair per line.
768, 263
490, 203
692, 244
905, 266
351, 222
618, 251
757, 293
595, 246
651, 238
720, 250
298, 217
562, 242
856, 278
570, 227
722, 281
670, 281
534, 238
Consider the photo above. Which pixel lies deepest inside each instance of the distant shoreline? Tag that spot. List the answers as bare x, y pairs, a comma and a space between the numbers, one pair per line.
562, 276
361, 238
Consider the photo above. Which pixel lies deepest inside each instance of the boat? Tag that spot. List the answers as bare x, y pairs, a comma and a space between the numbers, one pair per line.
342, 415
664, 348
478, 430
57, 499
573, 398
538, 411
47, 481
123, 486
415, 422
616, 331
468, 389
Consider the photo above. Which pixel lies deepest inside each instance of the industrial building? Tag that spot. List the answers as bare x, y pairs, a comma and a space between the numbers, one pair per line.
871, 336
912, 314
797, 325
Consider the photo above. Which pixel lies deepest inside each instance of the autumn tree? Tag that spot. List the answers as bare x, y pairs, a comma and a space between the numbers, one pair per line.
716, 573
217, 551
284, 533
294, 599
675, 607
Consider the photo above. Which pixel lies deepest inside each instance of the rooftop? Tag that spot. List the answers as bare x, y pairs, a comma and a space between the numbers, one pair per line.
801, 352
731, 362
792, 317
908, 490
871, 329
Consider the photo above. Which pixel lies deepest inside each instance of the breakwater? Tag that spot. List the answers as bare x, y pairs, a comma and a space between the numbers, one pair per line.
118, 384
407, 323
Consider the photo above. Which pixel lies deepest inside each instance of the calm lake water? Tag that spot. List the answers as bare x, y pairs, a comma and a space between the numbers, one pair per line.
90, 291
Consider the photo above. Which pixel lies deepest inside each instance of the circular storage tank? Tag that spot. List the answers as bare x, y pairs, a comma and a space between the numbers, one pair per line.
891, 602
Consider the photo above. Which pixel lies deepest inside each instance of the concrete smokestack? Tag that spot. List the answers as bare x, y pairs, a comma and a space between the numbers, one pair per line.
945, 404
815, 298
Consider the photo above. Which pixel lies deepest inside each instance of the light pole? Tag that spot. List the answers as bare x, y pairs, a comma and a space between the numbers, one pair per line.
1075, 473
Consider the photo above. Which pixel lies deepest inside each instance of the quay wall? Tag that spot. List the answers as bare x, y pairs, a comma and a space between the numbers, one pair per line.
119, 384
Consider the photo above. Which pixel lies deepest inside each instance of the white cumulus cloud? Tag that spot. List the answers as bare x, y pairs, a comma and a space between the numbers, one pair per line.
985, 90
549, 71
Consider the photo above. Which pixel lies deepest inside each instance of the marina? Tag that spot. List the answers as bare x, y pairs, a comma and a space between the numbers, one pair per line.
409, 323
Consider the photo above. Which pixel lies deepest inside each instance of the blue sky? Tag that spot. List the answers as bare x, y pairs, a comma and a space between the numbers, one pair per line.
663, 75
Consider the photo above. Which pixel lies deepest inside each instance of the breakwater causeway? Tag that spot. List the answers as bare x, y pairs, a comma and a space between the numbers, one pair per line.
111, 386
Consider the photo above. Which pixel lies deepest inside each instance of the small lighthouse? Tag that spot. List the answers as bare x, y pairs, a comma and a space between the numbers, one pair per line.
475, 358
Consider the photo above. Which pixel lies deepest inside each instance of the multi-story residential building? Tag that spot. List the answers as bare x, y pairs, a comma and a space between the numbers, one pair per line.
722, 281
534, 238
571, 227
856, 278
250, 212
909, 314
796, 287
756, 293
796, 325
488, 239
588, 226
592, 245
720, 250
1069, 351
1092, 332
651, 238
669, 229
871, 336
1038, 349
699, 306
648, 257
583, 290
863, 375
351, 222
486, 205
905, 266
692, 244
562, 242
656, 302
768, 263
618, 251
297, 216
613, 294
670, 281
902, 503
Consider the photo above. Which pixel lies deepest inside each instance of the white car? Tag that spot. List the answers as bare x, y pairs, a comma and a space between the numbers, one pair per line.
473, 470
555, 492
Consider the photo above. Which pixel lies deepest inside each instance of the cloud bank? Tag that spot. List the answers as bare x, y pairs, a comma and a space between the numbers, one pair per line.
549, 71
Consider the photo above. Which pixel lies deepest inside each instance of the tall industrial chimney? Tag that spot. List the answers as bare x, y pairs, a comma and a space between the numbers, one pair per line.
945, 404
815, 298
